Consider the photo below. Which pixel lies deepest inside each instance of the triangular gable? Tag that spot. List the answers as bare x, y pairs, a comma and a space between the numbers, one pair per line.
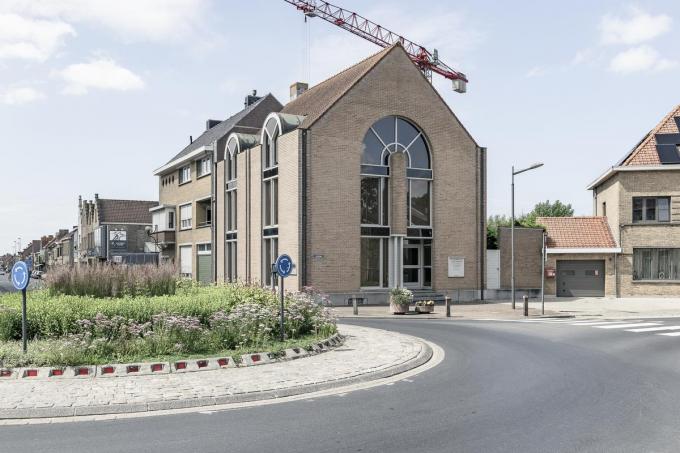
316, 101
659, 141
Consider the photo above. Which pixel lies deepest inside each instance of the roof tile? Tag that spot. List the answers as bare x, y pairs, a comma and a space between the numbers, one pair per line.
577, 232
125, 211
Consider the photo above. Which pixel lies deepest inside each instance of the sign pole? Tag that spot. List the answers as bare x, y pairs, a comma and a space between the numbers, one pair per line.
21, 276
283, 333
24, 335
284, 266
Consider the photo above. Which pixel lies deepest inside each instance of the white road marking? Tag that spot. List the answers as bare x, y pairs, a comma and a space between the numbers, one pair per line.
623, 326
654, 329
672, 334
599, 323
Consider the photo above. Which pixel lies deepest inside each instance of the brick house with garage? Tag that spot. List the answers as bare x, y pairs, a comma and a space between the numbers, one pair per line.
640, 198
581, 257
631, 245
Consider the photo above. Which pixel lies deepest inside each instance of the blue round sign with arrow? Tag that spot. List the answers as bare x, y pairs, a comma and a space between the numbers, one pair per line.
284, 266
20, 275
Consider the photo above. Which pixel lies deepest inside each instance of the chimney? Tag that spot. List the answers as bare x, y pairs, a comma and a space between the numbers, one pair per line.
211, 123
80, 201
251, 99
297, 89
191, 139
96, 197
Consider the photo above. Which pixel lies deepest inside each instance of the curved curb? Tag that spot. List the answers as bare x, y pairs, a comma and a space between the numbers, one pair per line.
178, 366
424, 355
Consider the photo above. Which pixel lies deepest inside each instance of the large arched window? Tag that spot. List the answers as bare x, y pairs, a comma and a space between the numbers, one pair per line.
387, 136
394, 134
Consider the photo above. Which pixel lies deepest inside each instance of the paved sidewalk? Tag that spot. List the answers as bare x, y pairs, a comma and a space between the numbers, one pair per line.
609, 308
367, 354
486, 310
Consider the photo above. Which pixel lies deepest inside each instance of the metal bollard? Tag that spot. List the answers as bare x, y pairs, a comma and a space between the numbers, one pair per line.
447, 301
355, 307
526, 305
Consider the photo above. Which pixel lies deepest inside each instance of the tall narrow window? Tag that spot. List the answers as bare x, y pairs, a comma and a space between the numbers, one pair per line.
231, 210
270, 198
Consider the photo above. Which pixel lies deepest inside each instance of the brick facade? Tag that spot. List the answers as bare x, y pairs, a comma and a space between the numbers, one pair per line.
528, 250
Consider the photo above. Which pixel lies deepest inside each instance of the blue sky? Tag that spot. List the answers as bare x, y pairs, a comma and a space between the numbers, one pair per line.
94, 95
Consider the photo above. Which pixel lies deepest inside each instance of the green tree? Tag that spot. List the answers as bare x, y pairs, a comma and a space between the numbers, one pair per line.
547, 209
542, 209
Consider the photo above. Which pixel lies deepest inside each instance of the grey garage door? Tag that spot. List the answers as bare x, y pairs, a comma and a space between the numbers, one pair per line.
580, 278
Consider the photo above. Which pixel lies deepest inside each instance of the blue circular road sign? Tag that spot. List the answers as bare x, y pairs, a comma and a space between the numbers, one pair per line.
284, 266
20, 275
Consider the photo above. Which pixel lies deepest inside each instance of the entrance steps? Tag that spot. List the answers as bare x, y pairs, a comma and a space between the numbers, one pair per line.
427, 294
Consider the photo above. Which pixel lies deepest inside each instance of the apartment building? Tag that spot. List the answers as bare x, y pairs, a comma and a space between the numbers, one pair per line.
114, 231
184, 222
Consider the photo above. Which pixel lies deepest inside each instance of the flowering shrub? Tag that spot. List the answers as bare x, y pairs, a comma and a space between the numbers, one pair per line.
223, 318
425, 303
401, 296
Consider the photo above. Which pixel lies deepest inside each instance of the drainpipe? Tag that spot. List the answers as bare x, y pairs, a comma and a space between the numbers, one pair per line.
482, 220
302, 272
213, 215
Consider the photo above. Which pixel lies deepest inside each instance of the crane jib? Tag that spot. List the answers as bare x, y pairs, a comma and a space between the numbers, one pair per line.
427, 61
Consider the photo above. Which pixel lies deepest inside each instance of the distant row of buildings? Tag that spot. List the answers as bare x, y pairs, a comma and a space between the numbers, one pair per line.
117, 231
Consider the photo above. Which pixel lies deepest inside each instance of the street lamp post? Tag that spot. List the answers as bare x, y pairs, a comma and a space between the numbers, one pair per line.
512, 227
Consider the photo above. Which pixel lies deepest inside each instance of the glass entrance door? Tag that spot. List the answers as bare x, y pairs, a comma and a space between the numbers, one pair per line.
412, 265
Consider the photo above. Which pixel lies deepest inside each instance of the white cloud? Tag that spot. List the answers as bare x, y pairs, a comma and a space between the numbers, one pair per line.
20, 95
536, 71
101, 73
637, 27
637, 59
31, 39
132, 19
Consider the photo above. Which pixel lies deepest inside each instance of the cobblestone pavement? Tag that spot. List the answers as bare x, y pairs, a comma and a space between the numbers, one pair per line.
366, 354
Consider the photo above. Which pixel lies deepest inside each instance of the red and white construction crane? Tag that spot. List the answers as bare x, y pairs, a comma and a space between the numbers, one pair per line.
427, 61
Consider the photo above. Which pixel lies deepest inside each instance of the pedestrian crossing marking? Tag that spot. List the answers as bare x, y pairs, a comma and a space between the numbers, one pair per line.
671, 334
654, 329
623, 326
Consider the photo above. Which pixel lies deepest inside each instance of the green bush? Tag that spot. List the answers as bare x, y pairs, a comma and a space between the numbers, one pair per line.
106, 280
195, 320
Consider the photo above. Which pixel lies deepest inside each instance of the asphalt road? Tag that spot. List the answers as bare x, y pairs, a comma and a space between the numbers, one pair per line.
503, 387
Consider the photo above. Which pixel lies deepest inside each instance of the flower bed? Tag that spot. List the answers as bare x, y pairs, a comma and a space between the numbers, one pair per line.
225, 319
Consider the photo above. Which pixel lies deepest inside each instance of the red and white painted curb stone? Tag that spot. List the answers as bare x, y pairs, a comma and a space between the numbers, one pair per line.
159, 368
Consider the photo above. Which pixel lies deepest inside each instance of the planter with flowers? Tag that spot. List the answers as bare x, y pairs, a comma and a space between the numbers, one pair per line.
425, 306
400, 299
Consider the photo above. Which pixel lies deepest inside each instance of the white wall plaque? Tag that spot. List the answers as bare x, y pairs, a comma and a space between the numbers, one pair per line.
456, 266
